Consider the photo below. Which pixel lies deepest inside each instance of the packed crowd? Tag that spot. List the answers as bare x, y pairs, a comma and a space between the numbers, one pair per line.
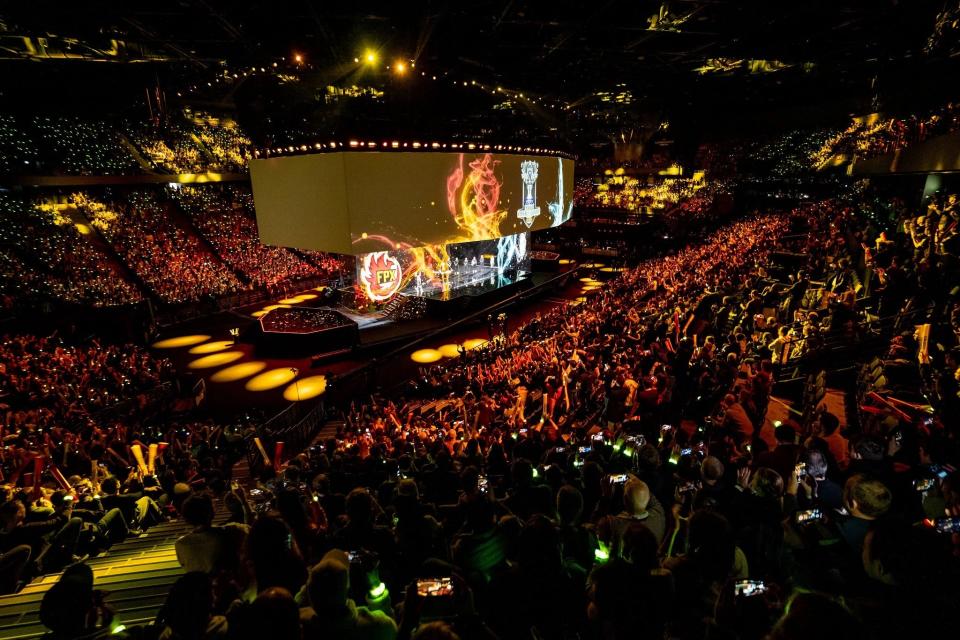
48, 383
225, 215
784, 155
184, 143
635, 193
71, 486
18, 151
872, 136
51, 254
165, 255
45, 259
607, 470
224, 139
86, 147
169, 148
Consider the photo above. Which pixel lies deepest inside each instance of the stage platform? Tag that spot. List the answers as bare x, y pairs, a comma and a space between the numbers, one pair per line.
302, 329
376, 329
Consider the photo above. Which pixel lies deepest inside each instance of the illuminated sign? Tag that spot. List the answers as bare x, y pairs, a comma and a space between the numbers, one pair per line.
381, 275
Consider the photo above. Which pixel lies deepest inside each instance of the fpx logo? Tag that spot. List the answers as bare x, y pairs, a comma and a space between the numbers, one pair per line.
381, 275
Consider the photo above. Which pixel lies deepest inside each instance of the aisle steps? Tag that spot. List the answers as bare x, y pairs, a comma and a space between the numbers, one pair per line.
137, 573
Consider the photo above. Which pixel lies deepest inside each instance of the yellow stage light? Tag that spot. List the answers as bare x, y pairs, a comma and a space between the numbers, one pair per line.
591, 287
212, 347
271, 307
180, 341
370, 57
611, 270
566, 261
271, 379
589, 280
425, 356
449, 350
305, 388
238, 371
473, 343
259, 314
400, 67
215, 360
307, 296
288, 301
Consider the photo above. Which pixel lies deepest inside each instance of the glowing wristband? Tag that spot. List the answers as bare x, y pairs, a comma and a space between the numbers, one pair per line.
378, 590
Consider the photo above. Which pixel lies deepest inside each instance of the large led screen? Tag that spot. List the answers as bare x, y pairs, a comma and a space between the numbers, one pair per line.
361, 202
444, 271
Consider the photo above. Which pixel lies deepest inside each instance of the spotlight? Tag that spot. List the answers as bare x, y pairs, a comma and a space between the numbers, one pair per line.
400, 67
370, 57
296, 58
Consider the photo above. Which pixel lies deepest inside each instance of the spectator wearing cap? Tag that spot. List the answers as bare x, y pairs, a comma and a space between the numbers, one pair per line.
713, 485
332, 615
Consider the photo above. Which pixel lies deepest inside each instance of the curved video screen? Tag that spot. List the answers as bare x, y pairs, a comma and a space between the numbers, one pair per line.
361, 202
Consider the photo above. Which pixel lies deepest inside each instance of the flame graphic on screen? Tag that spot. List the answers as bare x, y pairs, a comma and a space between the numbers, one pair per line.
473, 200
381, 275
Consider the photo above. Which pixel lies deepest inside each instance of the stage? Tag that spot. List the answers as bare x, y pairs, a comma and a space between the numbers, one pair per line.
342, 329
377, 337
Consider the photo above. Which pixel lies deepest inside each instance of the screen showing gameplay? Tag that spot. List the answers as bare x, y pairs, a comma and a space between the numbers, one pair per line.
362, 202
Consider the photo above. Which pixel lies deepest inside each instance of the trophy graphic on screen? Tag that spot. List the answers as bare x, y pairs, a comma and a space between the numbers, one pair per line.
528, 173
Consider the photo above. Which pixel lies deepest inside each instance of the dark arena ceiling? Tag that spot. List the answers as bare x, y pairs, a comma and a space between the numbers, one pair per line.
569, 72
